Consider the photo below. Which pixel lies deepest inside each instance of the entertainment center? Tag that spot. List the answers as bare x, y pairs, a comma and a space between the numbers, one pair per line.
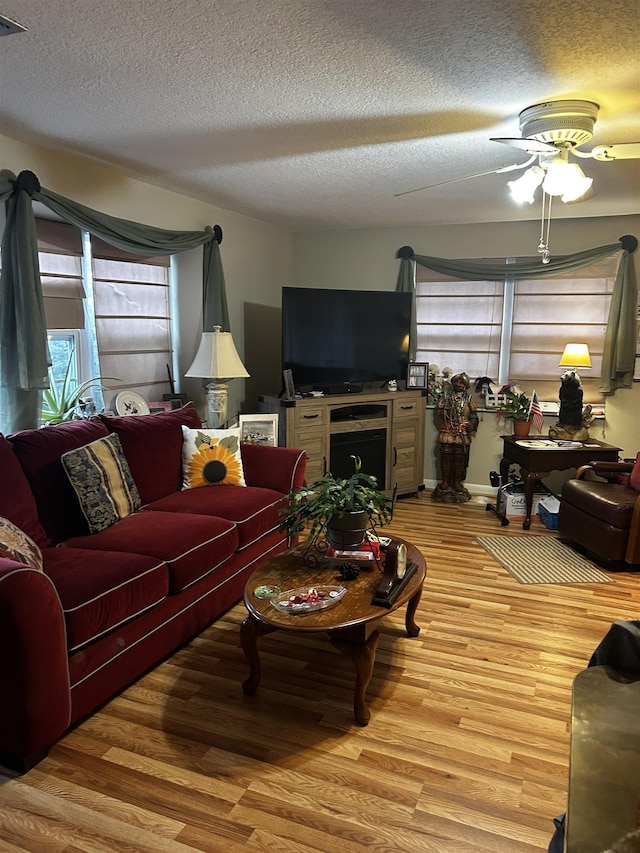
384, 428
339, 349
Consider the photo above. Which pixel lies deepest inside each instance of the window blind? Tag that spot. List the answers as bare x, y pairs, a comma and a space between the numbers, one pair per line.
466, 325
60, 259
132, 312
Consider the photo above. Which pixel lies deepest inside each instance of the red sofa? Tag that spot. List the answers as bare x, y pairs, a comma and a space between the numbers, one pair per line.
110, 605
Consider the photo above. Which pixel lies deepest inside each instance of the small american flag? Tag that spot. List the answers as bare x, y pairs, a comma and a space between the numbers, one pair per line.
535, 413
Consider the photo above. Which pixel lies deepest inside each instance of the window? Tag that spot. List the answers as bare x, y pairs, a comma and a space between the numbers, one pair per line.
515, 331
106, 310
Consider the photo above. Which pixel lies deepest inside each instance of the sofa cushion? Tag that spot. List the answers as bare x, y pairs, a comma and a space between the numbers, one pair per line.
100, 590
609, 503
16, 498
253, 510
39, 452
634, 479
16, 545
192, 546
100, 477
211, 457
153, 447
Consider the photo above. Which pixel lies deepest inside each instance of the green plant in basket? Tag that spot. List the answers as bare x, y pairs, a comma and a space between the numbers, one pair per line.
330, 497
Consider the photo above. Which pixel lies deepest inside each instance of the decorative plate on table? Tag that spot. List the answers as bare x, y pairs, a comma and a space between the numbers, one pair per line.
307, 599
131, 403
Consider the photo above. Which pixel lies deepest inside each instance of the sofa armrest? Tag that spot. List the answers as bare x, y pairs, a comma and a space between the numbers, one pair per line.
612, 471
278, 468
36, 702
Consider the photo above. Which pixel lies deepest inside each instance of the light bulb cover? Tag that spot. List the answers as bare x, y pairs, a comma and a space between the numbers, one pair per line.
524, 187
566, 180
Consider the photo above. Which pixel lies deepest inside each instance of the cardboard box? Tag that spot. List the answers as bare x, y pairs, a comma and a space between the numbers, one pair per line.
549, 511
513, 503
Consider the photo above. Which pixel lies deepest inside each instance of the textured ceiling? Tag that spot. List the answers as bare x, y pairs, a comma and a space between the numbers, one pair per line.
314, 113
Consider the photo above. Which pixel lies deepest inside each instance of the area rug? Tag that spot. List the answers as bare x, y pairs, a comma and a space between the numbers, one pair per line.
541, 559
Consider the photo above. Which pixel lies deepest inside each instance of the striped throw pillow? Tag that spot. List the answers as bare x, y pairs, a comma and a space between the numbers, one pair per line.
100, 476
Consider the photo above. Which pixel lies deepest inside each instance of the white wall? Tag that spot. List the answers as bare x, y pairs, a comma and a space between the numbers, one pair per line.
366, 259
256, 256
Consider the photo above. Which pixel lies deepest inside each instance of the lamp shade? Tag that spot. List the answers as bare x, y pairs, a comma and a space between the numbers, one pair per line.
217, 357
575, 355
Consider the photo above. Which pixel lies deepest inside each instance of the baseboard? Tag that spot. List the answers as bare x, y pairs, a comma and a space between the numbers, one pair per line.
477, 489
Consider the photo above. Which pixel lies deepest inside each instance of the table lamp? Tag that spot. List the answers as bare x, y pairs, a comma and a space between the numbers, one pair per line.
570, 417
575, 356
217, 359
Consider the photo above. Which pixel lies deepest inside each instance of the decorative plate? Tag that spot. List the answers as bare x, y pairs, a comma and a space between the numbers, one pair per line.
307, 599
131, 403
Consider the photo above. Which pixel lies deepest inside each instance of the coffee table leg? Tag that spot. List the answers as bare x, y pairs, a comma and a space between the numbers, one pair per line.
413, 629
363, 656
250, 630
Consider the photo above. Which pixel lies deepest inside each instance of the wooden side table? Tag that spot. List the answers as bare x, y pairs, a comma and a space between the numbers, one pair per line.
537, 463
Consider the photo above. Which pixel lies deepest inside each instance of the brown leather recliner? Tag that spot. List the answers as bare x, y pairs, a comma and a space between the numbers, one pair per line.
602, 516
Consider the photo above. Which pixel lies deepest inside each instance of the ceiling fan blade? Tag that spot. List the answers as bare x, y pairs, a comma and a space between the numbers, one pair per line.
510, 168
532, 146
622, 151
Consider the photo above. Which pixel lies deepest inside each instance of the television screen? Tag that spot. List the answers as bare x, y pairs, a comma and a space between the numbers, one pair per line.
334, 337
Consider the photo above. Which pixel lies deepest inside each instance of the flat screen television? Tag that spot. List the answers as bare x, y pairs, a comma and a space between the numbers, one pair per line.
333, 338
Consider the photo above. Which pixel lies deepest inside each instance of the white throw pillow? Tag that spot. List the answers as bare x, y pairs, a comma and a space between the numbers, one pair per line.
211, 457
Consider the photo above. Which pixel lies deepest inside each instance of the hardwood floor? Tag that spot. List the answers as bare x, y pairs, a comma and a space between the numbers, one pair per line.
466, 752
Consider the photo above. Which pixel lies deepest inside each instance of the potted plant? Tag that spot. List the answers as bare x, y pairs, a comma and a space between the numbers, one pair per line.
517, 407
344, 507
59, 402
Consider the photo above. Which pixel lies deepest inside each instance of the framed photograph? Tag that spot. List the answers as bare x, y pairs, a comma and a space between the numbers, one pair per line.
289, 387
417, 375
159, 406
259, 429
176, 400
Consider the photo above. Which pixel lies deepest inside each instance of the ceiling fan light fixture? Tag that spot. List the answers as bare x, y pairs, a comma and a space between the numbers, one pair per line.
566, 180
523, 188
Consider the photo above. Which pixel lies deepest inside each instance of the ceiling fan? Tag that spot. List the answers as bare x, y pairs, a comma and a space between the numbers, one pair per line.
551, 133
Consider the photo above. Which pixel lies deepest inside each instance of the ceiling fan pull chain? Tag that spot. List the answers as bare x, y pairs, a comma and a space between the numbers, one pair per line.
543, 245
546, 254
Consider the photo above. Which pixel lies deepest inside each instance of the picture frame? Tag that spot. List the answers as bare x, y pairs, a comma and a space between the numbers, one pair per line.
159, 406
289, 386
177, 399
259, 429
417, 374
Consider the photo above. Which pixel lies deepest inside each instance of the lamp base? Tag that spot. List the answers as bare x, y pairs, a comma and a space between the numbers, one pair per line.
217, 395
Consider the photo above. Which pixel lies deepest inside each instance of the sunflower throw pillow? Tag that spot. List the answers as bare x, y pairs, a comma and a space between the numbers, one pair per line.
211, 457
16, 545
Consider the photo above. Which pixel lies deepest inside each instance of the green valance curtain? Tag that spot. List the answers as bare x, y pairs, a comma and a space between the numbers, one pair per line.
23, 334
620, 339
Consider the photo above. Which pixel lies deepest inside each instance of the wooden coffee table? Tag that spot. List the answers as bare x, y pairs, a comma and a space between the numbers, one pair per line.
352, 624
